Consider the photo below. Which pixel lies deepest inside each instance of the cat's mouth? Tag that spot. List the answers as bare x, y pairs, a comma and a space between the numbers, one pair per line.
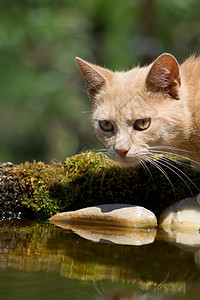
126, 161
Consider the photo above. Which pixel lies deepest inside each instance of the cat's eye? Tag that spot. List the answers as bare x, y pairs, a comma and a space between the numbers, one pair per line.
106, 126
142, 124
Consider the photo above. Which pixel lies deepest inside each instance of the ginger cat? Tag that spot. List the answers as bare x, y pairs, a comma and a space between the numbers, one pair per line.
146, 111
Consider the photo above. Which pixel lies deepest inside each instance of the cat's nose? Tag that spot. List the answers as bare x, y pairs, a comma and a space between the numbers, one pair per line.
122, 152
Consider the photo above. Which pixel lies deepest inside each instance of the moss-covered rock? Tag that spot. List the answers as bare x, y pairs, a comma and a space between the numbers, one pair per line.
89, 179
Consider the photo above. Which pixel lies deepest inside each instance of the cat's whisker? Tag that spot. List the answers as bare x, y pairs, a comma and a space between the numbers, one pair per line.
177, 162
98, 166
103, 176
170, 167
169, 147
161, 152
165, 159
152, 153
85, 90
91, 84
100, 290
155, 164
145, 167
167, 152
104, 151
174, 154
100, 150
80, 88
155, 293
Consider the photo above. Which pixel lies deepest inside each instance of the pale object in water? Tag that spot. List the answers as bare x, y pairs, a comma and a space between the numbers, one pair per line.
120, 215
183, 216
111, 223
114, 235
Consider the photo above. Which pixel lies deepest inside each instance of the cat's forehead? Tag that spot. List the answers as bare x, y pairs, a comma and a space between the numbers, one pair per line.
128, 87
134, 78
125, 98
130, 108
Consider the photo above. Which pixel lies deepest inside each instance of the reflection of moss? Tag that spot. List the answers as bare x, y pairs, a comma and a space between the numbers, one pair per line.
37, 246
90, 179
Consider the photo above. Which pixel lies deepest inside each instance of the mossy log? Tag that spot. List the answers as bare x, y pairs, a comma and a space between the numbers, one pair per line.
40, 190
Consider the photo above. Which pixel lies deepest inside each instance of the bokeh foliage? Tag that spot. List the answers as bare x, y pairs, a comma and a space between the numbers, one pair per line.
42, 96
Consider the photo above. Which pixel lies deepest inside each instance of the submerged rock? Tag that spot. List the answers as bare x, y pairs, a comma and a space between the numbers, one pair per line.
120, 215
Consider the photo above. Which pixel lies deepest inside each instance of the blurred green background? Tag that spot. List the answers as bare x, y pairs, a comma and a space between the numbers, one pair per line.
42, 93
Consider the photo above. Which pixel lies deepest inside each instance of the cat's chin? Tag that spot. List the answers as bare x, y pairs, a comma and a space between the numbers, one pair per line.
127, 163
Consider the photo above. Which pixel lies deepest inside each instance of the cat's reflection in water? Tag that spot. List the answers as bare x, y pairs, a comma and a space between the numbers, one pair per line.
122, 294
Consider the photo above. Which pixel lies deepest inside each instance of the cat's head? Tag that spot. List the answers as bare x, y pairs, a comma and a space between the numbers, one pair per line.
137, 112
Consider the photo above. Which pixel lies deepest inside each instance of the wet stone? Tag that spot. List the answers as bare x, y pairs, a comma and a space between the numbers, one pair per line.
110, 215
182, 216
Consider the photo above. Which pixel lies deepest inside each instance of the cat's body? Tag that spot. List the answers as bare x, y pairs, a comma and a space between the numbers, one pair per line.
148, 110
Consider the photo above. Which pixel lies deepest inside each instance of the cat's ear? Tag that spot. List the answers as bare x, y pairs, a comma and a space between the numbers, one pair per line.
164, 75
95, 77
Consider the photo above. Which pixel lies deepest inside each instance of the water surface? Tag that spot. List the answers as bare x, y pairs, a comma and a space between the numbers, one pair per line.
39, 260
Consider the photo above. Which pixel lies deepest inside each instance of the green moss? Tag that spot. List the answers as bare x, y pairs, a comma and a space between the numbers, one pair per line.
91, 178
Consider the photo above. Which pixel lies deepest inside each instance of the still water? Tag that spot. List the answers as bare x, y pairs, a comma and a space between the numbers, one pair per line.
39, 260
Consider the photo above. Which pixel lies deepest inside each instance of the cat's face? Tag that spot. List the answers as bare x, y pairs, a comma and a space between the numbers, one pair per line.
136, 112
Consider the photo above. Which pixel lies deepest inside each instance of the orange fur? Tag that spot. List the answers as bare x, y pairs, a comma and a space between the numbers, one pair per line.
163, 92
